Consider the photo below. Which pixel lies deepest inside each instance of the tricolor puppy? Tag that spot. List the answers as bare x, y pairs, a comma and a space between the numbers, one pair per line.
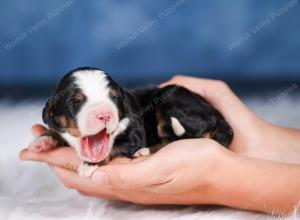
90, 112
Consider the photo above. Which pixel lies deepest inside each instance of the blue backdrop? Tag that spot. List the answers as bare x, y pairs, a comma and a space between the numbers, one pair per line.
146, 41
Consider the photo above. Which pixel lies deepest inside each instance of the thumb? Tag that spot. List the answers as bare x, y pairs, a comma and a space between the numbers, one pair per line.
129, 176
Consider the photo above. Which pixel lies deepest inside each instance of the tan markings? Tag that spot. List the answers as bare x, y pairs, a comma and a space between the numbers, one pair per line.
79, 95
159, 117
207, 135
113, 93
74, 132
69, 124
160, 131
72, 128
160, 124
48, 109
62, 121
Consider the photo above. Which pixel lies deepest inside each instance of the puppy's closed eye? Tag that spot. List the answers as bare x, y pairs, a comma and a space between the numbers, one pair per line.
78, 97
77, 101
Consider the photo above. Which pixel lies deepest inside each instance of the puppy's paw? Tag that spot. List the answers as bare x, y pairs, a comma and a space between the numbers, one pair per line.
42, 143
85, 170
142, 152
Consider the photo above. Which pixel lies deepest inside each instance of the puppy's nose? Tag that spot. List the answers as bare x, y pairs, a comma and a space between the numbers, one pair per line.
104, 116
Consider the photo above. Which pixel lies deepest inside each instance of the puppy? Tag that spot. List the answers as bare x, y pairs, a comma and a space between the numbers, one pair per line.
90, 112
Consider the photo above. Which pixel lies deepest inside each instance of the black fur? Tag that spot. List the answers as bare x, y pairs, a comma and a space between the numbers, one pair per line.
135, 136
196, 115
63, 102
146, 108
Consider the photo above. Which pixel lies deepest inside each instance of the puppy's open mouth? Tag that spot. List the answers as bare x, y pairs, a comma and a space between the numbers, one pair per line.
95, 147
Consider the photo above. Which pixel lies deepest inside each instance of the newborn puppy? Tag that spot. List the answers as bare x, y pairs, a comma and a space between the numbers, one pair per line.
92, 113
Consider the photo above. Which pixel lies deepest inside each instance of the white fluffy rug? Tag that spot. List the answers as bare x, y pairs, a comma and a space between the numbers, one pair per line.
31, 191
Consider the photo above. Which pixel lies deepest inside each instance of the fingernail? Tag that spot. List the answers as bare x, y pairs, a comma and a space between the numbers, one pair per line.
100, 177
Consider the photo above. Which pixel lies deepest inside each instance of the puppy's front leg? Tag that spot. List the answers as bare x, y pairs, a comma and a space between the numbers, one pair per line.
47, 141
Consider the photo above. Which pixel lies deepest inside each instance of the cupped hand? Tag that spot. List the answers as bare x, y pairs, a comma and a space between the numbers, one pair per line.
253, 137
245, 124
177, 174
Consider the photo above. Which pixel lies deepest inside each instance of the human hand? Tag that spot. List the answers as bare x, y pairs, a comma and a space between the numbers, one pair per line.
180, 173
253, 137
184, 172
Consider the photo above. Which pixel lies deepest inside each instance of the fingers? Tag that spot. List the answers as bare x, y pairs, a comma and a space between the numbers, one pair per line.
56, 156
85, 186
62, 156
220, 96
197, 85
133, 175
37, 130
173, 80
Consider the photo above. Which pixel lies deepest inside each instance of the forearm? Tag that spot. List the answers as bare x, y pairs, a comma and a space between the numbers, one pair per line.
290, 136
281, 144
257, 185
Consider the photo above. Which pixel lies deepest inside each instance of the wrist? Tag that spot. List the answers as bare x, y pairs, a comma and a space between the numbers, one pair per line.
218, 177
226, 178
253, 184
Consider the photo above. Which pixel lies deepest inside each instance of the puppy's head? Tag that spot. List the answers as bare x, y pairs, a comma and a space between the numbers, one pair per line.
86, 109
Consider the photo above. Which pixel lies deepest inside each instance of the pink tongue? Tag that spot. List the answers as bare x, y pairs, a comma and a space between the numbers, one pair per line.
95, 146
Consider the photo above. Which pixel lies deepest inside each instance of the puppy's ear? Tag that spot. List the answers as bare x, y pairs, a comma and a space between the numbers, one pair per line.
121, 92
48, 111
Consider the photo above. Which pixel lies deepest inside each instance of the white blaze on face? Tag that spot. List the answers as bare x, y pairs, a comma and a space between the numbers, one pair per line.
95, 86
97, 120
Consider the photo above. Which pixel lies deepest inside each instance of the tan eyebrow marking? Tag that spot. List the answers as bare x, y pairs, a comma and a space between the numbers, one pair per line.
113, 92
72, 128
79, 95
62, 120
